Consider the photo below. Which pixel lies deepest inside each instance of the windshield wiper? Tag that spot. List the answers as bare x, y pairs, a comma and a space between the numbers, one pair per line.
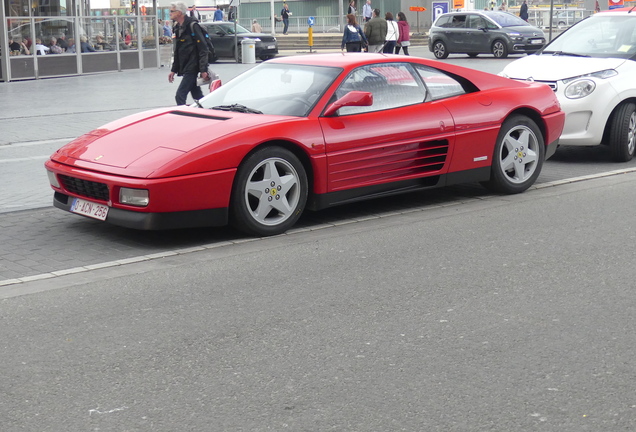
237, 108
564, 53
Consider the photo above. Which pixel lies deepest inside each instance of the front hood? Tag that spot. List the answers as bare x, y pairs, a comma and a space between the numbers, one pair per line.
548, 67
144, 142
524, 30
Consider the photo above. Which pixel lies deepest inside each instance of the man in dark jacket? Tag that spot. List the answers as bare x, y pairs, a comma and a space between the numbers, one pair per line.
523, 11
190, 53
375, 30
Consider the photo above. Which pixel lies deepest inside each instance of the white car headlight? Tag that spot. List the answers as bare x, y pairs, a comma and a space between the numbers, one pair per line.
136, 197
580, 89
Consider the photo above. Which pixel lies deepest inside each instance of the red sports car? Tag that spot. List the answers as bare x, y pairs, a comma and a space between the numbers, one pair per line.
309, 132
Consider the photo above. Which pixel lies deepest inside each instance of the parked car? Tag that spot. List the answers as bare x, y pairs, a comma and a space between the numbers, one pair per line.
226, 45
483, 32
591, 68
309, 132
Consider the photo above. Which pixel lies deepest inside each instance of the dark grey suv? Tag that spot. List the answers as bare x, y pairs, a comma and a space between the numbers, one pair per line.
483, 32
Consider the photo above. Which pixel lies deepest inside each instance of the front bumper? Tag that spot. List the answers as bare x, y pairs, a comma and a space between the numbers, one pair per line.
179, 202
155, 221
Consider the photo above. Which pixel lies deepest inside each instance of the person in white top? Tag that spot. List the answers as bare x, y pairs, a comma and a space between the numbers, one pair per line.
392, 34
41, 49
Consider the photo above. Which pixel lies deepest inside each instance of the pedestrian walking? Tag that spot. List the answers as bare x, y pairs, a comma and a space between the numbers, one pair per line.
404, 37
367, 11
523, 11
195, 14
353, 37
190, 53
392, 33
284, 14
352, 7
375, 31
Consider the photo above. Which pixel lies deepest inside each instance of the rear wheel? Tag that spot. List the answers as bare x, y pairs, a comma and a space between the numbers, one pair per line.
269, 193
622, 138
518, 156
439, 50
499, 49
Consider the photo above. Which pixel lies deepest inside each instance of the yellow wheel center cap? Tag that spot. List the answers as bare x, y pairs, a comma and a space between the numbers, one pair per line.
273, 192
520, 154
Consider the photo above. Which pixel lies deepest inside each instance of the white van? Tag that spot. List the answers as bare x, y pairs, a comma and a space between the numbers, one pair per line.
592, 69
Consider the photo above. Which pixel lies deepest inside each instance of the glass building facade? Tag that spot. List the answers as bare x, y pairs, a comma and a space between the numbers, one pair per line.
50, 38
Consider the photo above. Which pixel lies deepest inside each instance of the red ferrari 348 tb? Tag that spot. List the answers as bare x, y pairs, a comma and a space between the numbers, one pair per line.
309, 132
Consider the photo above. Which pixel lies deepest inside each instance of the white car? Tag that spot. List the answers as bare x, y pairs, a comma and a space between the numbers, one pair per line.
592, 69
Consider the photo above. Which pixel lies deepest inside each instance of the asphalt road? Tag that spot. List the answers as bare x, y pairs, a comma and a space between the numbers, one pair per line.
450, 310
502, 314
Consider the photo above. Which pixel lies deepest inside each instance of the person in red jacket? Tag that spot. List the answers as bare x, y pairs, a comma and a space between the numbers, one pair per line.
404, 38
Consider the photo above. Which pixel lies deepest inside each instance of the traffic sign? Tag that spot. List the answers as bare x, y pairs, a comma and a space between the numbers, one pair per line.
417, 9
310, 21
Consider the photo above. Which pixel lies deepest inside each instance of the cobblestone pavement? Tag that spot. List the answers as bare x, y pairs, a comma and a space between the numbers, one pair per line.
37, 117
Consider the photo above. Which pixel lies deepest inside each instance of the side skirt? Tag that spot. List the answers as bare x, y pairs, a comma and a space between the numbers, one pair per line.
317, 202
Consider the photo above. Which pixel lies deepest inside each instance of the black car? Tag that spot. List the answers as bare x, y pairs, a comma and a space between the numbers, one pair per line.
225, 44
483, 32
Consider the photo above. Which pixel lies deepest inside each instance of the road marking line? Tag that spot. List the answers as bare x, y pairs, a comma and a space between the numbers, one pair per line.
184, 251
25, 159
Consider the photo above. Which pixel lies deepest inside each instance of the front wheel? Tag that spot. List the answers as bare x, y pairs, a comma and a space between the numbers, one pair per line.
518, 156
439, 50
622, 138
269, 192
499, 49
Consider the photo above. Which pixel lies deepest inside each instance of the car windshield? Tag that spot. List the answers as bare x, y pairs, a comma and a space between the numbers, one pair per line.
506, 19
598, 36
275, 89
229, 29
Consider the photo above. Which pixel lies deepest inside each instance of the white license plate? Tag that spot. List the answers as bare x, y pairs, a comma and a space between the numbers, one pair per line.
536, 41
271, 46
90, 209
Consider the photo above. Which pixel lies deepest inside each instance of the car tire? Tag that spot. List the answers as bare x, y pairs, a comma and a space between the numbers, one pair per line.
518, 156
269, 192
499, 49
622, 133
440, 51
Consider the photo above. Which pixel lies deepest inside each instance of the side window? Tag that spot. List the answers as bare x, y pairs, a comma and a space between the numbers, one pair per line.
438, 84
392, 85
491, 25
214, 29
444, 21
475, 22
459, 21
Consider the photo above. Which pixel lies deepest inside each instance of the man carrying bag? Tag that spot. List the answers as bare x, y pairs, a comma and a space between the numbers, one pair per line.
190, 53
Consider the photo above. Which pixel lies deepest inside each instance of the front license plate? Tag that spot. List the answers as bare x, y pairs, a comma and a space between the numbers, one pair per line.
90, 209
536, 41
271, 46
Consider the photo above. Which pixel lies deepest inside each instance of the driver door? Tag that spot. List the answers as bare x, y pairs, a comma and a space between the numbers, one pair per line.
398, 138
